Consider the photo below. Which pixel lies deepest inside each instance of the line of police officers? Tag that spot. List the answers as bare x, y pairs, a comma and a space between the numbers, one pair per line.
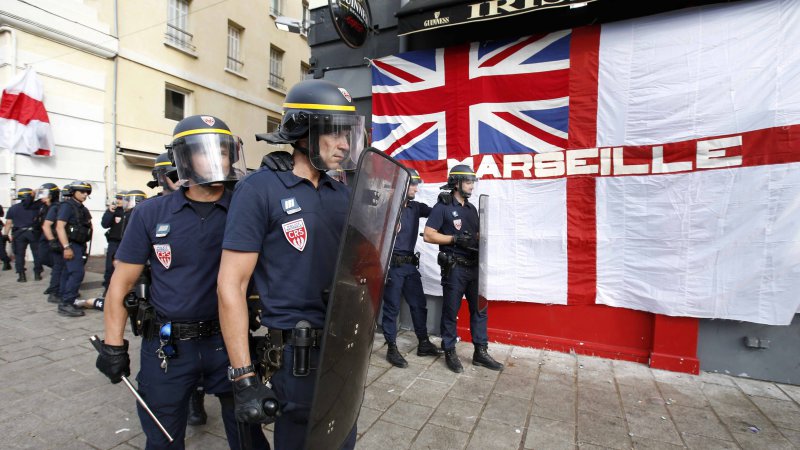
209, 249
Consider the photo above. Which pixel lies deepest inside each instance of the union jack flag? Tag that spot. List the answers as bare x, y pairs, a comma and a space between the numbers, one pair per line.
480, 98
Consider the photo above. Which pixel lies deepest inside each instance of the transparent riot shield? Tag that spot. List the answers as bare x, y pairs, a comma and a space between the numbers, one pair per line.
483, 250
378, 194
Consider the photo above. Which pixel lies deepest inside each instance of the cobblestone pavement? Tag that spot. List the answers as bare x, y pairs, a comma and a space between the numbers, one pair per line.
54, 398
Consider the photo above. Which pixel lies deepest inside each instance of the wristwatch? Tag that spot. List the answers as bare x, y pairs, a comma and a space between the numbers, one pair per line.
239, 371
66, 247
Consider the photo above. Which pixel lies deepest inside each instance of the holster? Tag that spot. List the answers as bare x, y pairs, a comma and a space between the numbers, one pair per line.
446, 261
145, 319
131, 304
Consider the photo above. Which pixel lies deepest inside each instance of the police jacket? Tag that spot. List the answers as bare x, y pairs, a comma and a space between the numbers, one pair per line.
115, 222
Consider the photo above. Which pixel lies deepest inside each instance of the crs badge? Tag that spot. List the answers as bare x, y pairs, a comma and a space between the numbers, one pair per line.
296, 233
164, 254
457, 224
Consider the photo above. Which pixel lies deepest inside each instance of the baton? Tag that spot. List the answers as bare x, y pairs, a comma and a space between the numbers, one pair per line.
96, 343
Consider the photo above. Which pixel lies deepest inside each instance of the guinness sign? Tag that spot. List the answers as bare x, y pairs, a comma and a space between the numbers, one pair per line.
352, 20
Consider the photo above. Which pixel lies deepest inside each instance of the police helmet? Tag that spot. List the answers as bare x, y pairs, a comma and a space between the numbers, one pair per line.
24, 193
415, 179
133, 198
48, 190
316, 110
65, 193
120, 195
458, 174
204, 151
165, 174
78, 186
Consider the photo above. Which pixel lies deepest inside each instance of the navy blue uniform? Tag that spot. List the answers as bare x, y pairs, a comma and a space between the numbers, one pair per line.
3, 255
44, 250
56, 257
73, 212
404, 278
453, 219
113, 220
296, 229
182, 240
24, 233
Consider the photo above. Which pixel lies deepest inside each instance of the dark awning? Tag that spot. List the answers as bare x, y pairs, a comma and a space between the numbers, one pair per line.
423, 15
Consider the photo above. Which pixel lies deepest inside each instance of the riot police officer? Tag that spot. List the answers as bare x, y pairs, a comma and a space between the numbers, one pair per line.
453, 224
3, 239
404, 278
49, 195
24, 232
55, 247
180, 235
112, 220
165, 174
286, 226
74, 231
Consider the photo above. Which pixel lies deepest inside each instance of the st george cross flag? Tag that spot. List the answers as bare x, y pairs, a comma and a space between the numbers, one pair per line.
651, 164
24, 124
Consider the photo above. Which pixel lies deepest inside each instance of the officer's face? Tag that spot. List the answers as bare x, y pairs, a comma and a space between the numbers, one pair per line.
80, 196
412, 191
334, 148
467, 186
206, 165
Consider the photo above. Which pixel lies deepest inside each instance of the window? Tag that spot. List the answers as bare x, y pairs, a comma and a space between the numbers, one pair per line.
234, 48
178, 24
174, 103
305, 71
275, 7
276, 68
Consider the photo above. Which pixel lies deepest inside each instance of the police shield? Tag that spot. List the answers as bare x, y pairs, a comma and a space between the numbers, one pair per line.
378, 194
483, 250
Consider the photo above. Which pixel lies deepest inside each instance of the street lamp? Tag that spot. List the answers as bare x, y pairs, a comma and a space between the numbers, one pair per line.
292, 25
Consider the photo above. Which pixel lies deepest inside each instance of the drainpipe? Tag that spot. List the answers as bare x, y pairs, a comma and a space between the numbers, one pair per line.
114, 105
12, 156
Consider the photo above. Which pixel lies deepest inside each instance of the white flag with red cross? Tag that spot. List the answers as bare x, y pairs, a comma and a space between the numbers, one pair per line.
24, 124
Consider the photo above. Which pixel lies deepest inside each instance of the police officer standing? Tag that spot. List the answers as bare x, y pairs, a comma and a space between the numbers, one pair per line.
55, 248
24, 232
3, 239
74, 230
286, 226
181, 237
49, 195
453, 224
165, 174
404, 278
112, 219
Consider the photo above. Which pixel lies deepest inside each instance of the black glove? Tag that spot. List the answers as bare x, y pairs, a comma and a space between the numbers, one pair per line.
113, 361
55, 246
278, 161
467, 241
253, 401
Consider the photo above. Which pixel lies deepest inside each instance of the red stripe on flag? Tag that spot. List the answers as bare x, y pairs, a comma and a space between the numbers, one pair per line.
22, 108
411, 135
535, 131
494, 60
584, 62
396, 72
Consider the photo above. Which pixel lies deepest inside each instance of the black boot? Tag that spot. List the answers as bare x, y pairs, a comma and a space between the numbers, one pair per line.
394, 357
70, 310
481, 358
54, 298
49, 290
6, 265
22, 278
37, 276
426, 348
197, 413
453, 363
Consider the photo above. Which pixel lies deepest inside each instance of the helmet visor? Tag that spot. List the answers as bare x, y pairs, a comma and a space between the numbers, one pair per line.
208, 158
132, 200
335, 141
42, 193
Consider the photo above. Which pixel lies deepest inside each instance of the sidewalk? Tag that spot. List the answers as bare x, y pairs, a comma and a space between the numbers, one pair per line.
54, 398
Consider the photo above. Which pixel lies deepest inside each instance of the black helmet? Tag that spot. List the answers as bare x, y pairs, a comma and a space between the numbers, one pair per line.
164, 170
318, 107
48, 190
196, 147
78, 186
65, 193
133, 198
415, 179
457, 175
120, 195
23, 193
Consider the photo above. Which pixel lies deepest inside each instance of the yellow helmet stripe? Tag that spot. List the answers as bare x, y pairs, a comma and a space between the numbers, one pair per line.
462, 173
133, 195
202, 131
165, 163
319, 106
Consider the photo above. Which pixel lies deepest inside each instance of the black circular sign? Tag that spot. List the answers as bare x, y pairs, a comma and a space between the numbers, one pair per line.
352, 20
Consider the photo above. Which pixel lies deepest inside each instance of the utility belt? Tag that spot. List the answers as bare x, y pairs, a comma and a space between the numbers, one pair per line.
21, 230
302, 338
184, 331
466, 262
447, 261
398, 260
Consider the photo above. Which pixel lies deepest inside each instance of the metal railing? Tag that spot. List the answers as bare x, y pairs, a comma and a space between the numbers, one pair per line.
276, 82
234, 64
179, 37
